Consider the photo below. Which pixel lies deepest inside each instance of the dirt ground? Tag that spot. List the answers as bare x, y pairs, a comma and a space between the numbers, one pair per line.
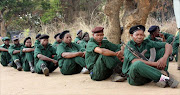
13, 82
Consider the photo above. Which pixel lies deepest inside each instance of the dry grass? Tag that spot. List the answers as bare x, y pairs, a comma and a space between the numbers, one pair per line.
80, 24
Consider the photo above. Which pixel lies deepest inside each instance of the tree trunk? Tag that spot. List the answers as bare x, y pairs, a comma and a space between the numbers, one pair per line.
136, 13
3, 28
112, 9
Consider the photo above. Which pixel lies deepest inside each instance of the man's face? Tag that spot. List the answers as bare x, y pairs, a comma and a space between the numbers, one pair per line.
44, 42
156, 33
58, 39
28, 43
98, 36
67, 38
6, 42
16, 42
80, 35
86, 37
138, 36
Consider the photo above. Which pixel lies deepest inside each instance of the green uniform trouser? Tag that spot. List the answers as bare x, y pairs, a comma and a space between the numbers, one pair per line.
49, 65
103, 68
72, 65
5, 58
27, 58
15, 57
140, 74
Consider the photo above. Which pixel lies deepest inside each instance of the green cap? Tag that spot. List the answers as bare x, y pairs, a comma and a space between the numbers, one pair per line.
5, 38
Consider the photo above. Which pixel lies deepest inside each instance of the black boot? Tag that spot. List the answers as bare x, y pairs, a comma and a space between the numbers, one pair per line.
44, 69
18, 64
31, 67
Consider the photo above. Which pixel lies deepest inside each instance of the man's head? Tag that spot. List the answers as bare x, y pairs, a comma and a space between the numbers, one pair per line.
44, 39
27, 42
57, 37
79, 34
37, 36
66, 37
15, 40
98, 34
85, 37
137, 33
6, 40
154, 31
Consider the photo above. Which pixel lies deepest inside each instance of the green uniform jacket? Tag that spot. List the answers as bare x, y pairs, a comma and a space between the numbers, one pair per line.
91, 56
14, 47
49, 51
83, 44
55, 44
168, 37
146, 44
5, 56
63, 47
76, 39
24, 53
37, 42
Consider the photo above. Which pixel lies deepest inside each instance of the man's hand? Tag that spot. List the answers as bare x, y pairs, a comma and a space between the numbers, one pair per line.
161, 63
81, 54
120, 55
162, 36
55, 62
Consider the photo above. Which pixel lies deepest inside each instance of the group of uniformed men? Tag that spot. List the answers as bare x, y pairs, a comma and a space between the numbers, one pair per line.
96, 56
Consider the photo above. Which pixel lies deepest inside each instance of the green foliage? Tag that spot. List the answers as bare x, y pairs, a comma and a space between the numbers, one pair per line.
52, 10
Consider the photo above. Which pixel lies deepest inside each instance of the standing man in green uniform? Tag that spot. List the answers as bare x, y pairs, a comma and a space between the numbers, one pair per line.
14, 51
79, 37
140, 71
70, 55
175, 48
85, 39
44, 56
27, 54
5, 56
37, 42
156, 35
58, 40
102, 57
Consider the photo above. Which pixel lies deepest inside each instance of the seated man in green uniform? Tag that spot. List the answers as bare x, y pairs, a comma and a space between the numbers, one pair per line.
27, 54
44, 56
58, 40
14, 51
37, 42
102, 57
156, 35
175, 48
79, 37
85, 39
70, 55
5, 56
140, 71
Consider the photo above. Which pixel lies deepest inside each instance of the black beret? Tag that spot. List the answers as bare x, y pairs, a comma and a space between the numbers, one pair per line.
44, 36
79, 31
38, 35
85, 34
135, 28
26, 39
57, 35
98, 29
63, 34
153, 29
